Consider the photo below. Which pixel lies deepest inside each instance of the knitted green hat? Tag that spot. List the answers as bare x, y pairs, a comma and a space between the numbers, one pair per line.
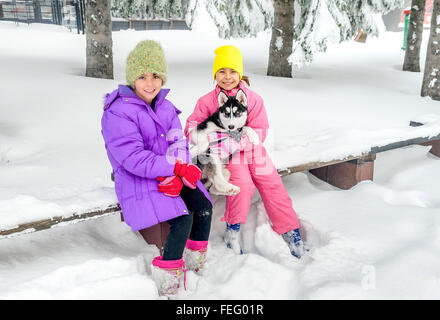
146, 57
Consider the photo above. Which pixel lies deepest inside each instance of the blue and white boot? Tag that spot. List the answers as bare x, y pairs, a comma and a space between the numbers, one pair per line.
295, 243
232, 237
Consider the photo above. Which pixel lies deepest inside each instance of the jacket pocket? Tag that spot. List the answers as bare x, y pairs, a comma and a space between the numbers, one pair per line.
138, 187
118, 181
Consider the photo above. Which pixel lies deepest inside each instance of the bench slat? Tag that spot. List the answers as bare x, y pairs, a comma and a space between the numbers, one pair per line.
49, 223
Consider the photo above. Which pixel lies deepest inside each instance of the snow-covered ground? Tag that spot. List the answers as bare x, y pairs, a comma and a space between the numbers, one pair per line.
379, 240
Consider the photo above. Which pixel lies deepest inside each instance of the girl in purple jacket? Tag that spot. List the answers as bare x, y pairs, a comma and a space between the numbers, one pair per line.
155, 180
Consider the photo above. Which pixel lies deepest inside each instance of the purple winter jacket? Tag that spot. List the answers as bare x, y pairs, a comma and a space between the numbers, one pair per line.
142, 145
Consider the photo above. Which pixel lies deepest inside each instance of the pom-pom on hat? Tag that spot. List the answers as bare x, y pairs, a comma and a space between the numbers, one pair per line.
147, 56
228, 57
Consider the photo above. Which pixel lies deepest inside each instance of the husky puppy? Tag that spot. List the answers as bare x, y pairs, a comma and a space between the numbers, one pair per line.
227, 123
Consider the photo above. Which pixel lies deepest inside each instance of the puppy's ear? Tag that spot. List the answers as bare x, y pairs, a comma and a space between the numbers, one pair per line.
241, 97
222, 98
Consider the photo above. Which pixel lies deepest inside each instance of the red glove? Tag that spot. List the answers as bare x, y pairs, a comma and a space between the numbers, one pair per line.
170, 186
189, 173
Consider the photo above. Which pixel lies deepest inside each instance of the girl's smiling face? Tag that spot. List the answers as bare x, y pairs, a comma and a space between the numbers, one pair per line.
227, 78
147, 86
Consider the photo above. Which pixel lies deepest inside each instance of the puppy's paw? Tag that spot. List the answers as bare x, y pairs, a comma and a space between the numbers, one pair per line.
233, 191
213, 190
227, 189
252, 135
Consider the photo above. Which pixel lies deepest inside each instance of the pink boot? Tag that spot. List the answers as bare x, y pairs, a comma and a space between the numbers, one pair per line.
167, 275
195, 254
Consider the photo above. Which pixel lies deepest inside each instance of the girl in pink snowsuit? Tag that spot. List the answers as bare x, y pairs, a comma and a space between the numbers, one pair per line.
252, 166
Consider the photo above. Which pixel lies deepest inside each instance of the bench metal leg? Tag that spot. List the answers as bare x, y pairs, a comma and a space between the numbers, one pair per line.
156, 234
435, 150
347, 174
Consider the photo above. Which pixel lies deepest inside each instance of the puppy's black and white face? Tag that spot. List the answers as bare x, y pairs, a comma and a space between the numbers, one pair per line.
232, 110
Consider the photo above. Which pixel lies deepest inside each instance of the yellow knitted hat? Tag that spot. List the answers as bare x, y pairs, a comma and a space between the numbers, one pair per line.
228, 57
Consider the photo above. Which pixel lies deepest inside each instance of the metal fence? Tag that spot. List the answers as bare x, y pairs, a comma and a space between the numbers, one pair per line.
69, 13
144, 24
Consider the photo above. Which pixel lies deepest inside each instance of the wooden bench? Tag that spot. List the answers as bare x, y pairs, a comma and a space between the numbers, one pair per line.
348, 172
342, 173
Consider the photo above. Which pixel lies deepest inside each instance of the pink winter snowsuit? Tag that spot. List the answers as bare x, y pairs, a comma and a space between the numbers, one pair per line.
252, 167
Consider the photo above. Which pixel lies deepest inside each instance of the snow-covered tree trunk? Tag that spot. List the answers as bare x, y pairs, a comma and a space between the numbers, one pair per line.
431, 79
282, 39
414, 37
99, 39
